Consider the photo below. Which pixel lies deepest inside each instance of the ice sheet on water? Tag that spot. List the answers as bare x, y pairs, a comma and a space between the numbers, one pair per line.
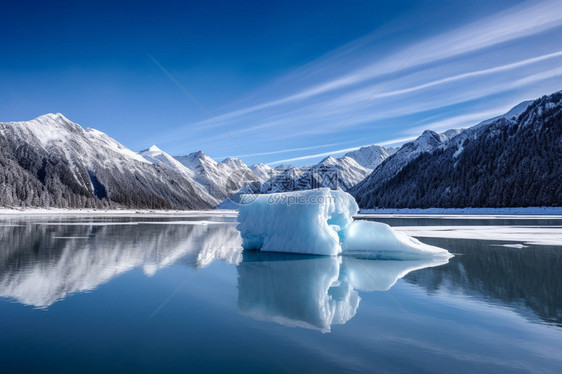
320, 222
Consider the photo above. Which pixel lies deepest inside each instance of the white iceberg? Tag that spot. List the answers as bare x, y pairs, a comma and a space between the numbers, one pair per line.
381, 241
298, 222
320, 222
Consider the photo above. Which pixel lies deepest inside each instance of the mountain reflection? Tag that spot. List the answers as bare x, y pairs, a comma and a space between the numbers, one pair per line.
41, 263
527, 279
310, 291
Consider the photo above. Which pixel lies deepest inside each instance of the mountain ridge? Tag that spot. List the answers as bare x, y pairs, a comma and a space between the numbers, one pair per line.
52, 161
508, 162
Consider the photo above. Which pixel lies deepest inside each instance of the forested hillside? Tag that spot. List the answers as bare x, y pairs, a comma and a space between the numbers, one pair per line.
509, 162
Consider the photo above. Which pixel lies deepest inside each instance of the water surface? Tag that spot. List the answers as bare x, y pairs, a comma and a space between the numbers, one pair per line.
177, 294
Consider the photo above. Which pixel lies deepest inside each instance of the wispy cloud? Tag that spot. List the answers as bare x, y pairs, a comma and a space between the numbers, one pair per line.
337, 152
459, 76
281, 151
461, 121
518, 22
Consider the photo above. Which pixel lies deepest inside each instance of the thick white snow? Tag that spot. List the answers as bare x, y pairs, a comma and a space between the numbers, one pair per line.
532, 235
320, 222
522, 212
382, 240
156, 156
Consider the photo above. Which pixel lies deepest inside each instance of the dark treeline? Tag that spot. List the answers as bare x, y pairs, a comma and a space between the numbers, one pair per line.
507, 163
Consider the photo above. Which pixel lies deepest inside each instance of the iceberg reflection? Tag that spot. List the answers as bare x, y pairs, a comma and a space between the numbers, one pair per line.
311, 291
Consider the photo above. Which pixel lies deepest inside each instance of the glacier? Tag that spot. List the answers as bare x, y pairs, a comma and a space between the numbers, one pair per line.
320, 222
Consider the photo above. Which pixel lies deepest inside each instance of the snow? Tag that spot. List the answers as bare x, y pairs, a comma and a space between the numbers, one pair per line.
220, 179
458, 151
35, 212
320, 222
516, 245
535, 210
516, 111
382, 240
263, 172
113, 144
157, 156
531, 235
370, 156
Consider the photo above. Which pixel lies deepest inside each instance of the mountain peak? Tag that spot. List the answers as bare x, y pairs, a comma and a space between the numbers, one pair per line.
59, 117
152, 149
370, 156
197, 154
54, 119
327, 160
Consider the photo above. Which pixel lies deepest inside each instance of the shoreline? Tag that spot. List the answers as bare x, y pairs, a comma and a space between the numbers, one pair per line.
465, 213
113, 212
408, 212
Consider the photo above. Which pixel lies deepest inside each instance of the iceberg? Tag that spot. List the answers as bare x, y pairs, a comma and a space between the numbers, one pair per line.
380, 241
320, 222
299, 222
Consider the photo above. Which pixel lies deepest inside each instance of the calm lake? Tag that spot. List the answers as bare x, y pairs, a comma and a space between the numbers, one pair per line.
176, 294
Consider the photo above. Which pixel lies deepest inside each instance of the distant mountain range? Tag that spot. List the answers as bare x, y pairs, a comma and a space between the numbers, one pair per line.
509, 160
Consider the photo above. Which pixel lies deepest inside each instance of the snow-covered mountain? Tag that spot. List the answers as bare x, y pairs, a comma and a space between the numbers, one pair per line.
512, 160
371, 156
220, 179
426, 142
348, 170
157, 156
263, 172
51, 161
512, 114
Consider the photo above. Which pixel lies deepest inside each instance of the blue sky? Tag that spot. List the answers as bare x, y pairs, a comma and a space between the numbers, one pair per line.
288, 81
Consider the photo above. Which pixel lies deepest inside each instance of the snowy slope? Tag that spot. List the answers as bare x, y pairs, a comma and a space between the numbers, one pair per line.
427, 142
371, 156
350, 169
156, 156
512, 114
52, 161
220, 179
263, 172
